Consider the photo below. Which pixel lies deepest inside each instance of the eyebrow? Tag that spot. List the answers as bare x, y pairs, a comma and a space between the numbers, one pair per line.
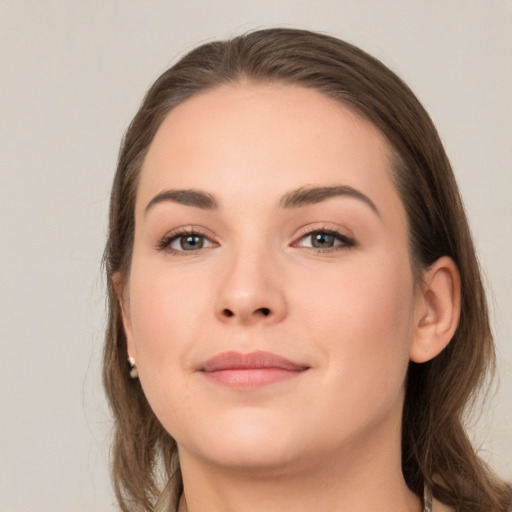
312, 195
299, 198
188, 197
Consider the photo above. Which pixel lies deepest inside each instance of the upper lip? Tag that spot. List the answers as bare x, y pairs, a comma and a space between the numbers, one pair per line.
254, 360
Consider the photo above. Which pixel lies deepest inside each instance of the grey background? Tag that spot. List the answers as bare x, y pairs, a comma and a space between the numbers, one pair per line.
71, 77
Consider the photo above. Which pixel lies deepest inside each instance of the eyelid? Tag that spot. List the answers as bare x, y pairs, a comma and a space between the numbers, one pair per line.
164, 242
344, 236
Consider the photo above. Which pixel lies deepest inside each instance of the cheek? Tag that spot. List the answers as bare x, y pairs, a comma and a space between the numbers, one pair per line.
167, 309
359, 298
363, 324
165, 322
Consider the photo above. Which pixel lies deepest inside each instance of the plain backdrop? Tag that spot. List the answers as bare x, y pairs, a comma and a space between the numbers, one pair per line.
72, 74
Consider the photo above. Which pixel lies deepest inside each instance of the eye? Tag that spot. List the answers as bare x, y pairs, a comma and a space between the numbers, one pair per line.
185, 241
325, 239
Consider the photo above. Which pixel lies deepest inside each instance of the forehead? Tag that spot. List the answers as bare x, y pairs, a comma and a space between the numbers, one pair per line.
250, 140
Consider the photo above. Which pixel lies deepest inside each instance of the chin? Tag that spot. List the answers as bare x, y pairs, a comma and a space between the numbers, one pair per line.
246, 442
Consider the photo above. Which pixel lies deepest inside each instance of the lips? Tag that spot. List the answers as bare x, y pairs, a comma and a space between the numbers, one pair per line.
252, 370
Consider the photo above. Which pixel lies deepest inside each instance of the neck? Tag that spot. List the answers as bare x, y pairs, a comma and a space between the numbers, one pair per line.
365, 476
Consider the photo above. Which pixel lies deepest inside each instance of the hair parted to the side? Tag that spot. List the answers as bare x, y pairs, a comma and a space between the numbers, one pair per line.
435, 447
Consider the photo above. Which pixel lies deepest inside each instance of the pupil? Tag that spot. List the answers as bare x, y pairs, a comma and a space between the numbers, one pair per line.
191, 242
323, 240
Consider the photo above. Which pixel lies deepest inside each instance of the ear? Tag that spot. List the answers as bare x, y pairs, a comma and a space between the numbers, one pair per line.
124, 304
437, 310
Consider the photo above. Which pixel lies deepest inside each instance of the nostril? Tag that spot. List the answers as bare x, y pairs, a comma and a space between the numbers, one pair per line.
228, 313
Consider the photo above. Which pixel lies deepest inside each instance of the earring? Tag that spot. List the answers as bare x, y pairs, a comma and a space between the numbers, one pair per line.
134, 373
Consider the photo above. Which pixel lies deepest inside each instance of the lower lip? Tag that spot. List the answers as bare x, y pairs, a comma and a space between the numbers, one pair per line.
251, 378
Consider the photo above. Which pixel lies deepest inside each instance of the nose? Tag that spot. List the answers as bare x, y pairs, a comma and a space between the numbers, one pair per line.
251, 290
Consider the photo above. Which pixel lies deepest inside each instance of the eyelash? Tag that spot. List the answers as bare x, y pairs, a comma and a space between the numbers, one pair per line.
346, 241
165, 243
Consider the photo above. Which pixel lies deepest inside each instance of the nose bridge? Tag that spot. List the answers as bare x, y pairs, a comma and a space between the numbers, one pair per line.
251, 285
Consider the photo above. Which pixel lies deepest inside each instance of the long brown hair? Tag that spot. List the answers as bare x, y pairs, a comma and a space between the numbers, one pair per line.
435, 447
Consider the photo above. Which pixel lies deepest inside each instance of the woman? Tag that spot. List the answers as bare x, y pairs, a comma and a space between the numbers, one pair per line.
293, 284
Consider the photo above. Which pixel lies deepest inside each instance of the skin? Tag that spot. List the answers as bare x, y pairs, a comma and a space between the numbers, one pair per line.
352, 314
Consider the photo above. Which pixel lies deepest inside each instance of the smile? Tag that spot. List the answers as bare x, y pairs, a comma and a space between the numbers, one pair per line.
250, 371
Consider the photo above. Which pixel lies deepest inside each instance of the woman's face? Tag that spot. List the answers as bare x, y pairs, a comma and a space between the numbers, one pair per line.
270, 303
